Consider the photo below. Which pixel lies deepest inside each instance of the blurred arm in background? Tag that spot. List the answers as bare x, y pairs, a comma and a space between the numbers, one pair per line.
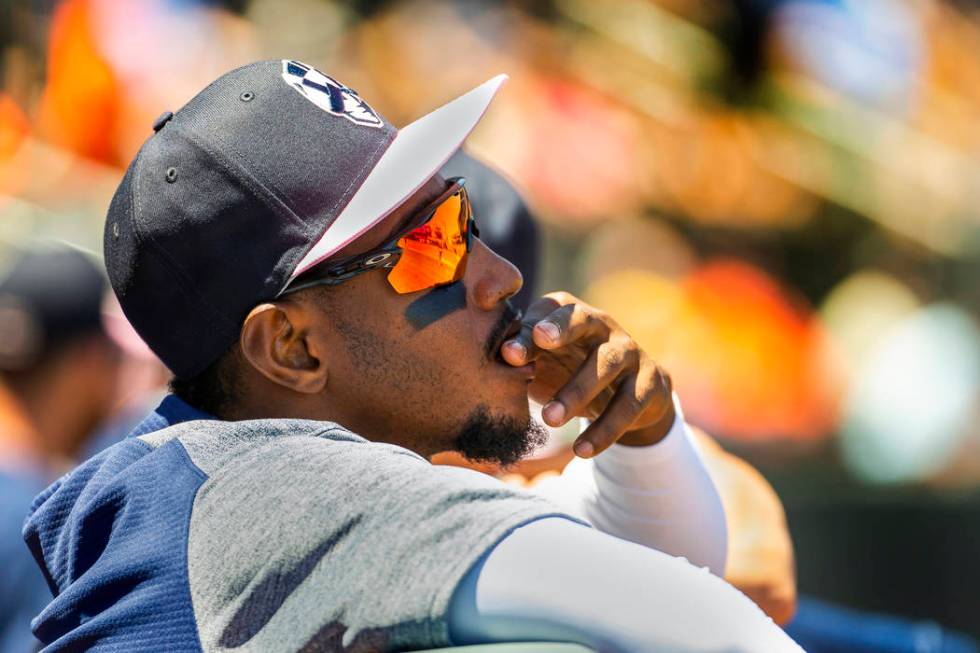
760, 551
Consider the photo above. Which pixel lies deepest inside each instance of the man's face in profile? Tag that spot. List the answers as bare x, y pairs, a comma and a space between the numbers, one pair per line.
423, 368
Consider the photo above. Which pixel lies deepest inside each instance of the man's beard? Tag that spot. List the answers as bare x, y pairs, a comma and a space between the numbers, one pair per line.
498, 439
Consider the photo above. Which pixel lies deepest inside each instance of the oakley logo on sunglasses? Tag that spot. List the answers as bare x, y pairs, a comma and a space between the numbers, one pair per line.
329, 94
377, 260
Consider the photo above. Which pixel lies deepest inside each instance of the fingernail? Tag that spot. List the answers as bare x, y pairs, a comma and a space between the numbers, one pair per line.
584, 449
550, 330
554, 412
516, 348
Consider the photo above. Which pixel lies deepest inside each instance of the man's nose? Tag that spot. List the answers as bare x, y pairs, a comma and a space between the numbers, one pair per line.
493, 278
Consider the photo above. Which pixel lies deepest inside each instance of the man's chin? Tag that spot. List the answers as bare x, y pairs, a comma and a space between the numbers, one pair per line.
499, 439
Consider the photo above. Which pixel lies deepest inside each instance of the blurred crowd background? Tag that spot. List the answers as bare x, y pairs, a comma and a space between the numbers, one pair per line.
780, 199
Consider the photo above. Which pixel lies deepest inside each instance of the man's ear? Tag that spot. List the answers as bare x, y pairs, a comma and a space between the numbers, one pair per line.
275, 340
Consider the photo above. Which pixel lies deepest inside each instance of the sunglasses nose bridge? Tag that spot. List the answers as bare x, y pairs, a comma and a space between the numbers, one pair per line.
471, 233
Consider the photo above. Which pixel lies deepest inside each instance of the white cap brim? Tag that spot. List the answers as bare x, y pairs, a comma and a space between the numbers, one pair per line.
418, 152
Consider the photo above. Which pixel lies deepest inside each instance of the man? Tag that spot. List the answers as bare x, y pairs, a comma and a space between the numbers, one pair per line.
299, 265
58, 371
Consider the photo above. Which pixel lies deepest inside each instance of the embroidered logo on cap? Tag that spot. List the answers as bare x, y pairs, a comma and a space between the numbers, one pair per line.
329, 94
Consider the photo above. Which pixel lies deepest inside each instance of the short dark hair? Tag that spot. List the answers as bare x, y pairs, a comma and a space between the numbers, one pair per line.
215, 390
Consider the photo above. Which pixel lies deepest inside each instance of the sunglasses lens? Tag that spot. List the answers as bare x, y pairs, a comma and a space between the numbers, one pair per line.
435, 253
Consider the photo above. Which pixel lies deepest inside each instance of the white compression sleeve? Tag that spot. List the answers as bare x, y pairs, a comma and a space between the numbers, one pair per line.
660, 496
557, 580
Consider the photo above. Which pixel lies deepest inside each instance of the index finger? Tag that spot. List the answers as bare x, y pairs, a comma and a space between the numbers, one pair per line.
554, 321
520, 349
572, 321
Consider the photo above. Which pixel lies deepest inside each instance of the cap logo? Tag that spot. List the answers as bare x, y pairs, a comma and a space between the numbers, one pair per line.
329, 94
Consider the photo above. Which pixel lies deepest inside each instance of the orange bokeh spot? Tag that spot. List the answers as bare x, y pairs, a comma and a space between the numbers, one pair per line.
13, 127
577, 152
754, 361
747, 360
80, 101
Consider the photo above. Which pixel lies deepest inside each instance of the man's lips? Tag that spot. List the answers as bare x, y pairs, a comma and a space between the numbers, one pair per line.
507, 327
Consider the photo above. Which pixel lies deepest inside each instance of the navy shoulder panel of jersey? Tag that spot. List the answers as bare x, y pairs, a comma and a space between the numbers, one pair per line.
111, 540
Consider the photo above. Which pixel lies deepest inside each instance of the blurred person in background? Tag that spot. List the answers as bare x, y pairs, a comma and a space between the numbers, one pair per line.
142, 383
58, 372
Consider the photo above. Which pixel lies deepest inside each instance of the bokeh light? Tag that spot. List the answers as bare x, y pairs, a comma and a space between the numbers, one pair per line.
914, 399
80, 105
749, 360
860, 310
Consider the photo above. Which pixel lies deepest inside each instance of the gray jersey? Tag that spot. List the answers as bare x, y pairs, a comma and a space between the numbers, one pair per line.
304, 536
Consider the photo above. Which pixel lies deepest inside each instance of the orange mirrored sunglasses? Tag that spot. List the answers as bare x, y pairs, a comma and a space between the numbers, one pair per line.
430, 252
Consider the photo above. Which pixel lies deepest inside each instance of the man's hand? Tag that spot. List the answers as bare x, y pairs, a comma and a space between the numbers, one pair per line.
588, 366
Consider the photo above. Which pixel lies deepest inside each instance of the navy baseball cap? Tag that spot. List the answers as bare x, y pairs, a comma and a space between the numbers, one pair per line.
50, 296
268, 171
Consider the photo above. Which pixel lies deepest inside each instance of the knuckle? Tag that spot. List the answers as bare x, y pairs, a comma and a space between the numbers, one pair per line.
633, 404
655, 390
650, 372
562, 297
592, 319
660, 381
631, 350
598, 316
611, 358
654, 396
647, 383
